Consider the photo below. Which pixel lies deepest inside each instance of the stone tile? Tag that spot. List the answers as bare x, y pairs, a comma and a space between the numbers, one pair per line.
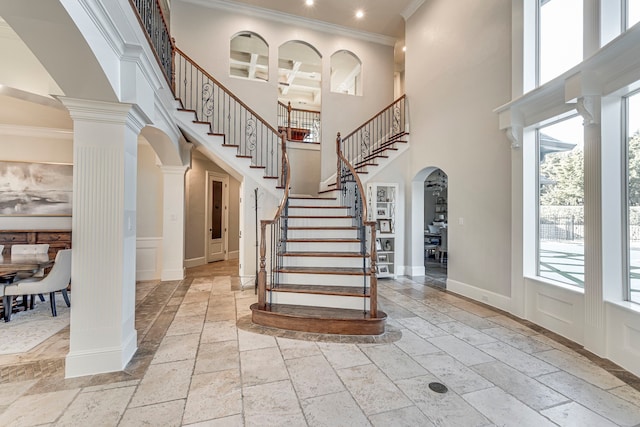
526, 389
224, 330
523, 362
35, 409
217, 356
189, 309
403, 417
527, 344
274, 404
164, 382
213, 395
9, 392
431, 315
292, 349
421, 327
177, 347
166, 414
186, 325
504, 409
474, 308
413, 345
601, 402
343, 355
313, 376
232, 421
262, 366
373, 391
395, 363
252, 341
446, 409
453, 374
107, 406
334, 409
581, 368
512, 324
109, 386
628, 393
572, 414
466, 333
465, 353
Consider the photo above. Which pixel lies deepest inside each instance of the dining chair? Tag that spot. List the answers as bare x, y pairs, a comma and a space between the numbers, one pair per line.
442, 248
57, 280
30, 249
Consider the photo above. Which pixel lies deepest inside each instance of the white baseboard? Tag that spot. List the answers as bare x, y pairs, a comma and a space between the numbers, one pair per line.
413, 270
234, 255
99, 361
194, 262
481, 295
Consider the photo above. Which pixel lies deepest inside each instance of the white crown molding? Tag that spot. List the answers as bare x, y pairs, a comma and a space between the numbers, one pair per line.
289, 19
38, 132
411, 9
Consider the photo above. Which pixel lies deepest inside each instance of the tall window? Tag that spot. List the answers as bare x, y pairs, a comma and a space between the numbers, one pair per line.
633, 196
559, 37
633, 12
561, 202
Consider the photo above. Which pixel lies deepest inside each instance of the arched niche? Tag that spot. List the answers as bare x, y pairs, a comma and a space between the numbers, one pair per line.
249, 56
346, 73
299, 75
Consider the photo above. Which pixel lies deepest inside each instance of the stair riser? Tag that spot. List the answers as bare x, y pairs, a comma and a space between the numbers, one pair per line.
313, 300
320, 222
326, 233
321, 279
307, 261
323, 246
312, 202
318, 211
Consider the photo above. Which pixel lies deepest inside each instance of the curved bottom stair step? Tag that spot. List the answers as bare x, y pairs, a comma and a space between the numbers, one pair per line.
319, 319
347, 291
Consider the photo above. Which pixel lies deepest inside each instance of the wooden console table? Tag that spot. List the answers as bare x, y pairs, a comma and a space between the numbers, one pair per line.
57, 239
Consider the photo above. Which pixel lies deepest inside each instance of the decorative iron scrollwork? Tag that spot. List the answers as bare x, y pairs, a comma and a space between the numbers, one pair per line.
207, 99
250, 128
397, 114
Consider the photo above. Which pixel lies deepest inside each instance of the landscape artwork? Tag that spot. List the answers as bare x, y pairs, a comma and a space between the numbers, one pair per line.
35, 188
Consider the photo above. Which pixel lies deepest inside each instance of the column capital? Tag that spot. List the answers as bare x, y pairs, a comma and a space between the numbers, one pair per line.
174, 170
587, 107
511, 123
105, 112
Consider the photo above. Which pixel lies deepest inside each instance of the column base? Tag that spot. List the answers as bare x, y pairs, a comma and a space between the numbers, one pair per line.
177, 274
82, 363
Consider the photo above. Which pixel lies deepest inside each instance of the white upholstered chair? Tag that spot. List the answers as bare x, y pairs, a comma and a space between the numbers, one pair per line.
57, 280
442, 248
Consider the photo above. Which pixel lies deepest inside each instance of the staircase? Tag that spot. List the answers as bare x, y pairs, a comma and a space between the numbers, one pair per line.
323, 282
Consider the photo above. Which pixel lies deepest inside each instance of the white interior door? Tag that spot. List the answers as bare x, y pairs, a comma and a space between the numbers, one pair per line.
217, 216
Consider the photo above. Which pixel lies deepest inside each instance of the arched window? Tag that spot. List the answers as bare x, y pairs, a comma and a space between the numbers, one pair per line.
346, 73
249, 56
299, 74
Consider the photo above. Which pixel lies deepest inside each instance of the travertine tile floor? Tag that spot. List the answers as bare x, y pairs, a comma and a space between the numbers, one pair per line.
200, 363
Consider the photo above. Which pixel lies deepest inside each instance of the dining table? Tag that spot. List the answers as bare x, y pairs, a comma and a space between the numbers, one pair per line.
31, 262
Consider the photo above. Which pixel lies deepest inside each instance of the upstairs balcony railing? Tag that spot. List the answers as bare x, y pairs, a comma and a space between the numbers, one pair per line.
153, 21
300, 125
227, 115
376, 134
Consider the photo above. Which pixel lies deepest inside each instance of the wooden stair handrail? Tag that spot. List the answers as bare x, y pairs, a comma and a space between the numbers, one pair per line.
373, 280
375, 116
227, 91
262, 273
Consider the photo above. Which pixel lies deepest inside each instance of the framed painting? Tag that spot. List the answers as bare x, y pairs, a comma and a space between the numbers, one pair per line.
42, 189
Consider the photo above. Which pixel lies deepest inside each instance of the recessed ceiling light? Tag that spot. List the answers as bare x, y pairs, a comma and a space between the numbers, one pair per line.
359, 13
309, 2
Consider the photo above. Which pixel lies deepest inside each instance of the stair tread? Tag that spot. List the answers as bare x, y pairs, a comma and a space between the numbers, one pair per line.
324, 254
323, 270
322, 239
320, 312
320, 216
318, 207
311, 198
351, 291
349, 227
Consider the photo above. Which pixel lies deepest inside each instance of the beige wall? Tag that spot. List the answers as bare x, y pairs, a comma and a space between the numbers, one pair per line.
196, 207
204, 34
305, 167
150, 193
457, 71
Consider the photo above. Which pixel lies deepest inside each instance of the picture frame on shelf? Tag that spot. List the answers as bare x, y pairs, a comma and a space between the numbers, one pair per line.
378, 245
384, 225
382, 257
388, 246
383, 269
382, 212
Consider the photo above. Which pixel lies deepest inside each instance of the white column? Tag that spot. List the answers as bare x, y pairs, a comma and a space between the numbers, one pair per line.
103, 336
173, 222
594, 310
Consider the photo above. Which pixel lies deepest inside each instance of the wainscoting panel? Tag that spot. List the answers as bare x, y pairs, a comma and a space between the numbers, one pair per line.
148, 258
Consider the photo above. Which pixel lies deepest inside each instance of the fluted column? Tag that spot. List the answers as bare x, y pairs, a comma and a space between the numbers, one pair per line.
173, 223
103, 336
594, 308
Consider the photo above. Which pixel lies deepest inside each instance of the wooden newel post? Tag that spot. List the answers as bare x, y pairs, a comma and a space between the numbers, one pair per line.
338, 150
262, 273
373, 279
289, 108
